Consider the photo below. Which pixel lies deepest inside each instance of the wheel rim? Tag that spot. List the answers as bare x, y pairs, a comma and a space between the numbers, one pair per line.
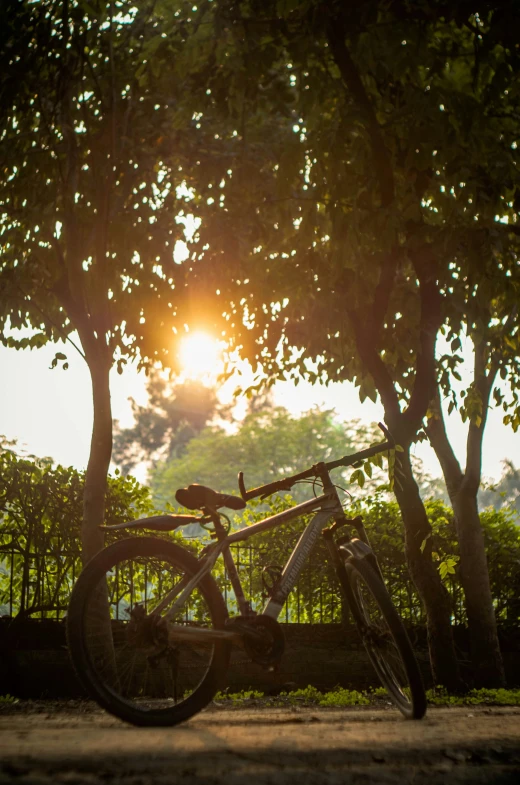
381, 645
127, 647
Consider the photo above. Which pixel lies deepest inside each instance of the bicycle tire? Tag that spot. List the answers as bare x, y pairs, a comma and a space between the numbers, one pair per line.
385, 639
131, 696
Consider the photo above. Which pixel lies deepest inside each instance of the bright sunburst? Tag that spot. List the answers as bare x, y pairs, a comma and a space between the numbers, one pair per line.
200, 355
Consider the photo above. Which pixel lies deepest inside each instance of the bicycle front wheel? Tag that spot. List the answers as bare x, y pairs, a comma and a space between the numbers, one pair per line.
385, 639
119, 641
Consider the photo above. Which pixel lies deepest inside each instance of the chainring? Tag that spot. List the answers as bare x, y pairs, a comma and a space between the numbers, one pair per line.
264, 640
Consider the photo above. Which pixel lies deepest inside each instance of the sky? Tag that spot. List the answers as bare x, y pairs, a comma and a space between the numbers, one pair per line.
49, 412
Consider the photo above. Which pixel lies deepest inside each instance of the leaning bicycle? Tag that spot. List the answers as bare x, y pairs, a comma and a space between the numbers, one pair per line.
150, 634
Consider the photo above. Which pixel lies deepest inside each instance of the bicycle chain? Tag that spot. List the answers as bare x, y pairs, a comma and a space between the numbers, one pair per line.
232, 663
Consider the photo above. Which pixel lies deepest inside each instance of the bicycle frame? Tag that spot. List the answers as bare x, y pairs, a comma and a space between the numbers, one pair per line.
325, 506
120, 675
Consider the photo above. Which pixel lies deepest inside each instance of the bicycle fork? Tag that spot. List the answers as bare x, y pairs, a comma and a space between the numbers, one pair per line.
347, 547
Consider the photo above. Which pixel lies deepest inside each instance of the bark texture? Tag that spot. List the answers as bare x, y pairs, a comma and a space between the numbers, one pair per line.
92, 537
486, 659
436, 600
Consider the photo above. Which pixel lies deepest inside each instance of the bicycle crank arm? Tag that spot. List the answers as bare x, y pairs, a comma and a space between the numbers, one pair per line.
180, 632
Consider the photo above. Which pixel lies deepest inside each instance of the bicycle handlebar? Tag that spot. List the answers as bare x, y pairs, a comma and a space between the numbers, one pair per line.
286, 483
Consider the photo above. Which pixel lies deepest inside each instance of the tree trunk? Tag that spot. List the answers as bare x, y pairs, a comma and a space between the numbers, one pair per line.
426, 578
486, 659
92, 537
404, 426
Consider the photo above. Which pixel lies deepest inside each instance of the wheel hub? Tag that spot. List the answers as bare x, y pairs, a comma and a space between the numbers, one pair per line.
146, 631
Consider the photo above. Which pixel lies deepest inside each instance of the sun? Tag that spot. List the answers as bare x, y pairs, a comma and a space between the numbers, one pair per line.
200, 356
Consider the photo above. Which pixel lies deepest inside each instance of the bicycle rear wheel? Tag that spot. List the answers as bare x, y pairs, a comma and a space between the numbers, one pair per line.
385, 639
121, 649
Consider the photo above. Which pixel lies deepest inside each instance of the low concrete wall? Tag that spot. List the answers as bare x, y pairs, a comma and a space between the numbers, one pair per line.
324, 656
34, 660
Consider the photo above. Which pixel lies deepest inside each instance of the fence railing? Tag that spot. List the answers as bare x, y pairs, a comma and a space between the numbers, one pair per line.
39, 584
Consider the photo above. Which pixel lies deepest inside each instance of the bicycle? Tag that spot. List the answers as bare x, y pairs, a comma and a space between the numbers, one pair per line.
148, 629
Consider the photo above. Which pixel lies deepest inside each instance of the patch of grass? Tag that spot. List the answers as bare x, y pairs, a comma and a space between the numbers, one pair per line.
308, 694
340, 697
439, 696
238, 698
337, 697
7, 700
343, 697
378, 692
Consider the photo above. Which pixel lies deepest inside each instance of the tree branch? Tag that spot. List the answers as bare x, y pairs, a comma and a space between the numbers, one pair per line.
369, 355
383, 293
484, 384
501, 227
436, 430
430, 321
51, 321
352, 80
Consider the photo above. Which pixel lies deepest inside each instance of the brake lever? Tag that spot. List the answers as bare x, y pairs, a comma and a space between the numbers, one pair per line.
242, 487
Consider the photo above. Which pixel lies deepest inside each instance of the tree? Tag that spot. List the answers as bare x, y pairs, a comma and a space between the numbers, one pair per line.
174, 414
505, 492
269, 444
489, 280
88, 194
463, 487
363, 163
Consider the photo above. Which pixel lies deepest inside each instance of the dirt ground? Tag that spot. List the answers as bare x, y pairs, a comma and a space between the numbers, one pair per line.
77, 743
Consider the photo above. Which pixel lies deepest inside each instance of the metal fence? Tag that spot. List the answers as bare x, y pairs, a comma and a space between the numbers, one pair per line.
38, 585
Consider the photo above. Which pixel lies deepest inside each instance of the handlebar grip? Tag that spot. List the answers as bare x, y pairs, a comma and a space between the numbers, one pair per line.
241, 486
272, 487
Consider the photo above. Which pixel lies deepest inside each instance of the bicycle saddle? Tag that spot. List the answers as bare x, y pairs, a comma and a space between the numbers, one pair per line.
196, 497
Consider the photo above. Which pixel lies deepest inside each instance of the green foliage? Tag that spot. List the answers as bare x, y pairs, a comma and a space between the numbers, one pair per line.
90, 221
41, 511
447, 567
337, 698
342, 697
505, 492
368, 185
93, 194
40, 522
307, 694
8, 700
268, 445
237, 698
502, 541
439, 696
